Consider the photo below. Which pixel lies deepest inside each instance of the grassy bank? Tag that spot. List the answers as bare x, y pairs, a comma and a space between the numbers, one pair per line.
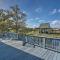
36, 33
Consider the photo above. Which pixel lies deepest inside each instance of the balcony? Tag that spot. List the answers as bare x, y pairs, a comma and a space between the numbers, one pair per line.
30, 48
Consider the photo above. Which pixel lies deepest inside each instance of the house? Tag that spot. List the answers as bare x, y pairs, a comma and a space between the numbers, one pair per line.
45, 25
44, 28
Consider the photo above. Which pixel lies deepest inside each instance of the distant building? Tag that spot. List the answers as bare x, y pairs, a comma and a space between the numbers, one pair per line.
45, 25
55, 30
45, 28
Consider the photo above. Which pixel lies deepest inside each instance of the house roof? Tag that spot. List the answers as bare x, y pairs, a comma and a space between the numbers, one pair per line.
45, 25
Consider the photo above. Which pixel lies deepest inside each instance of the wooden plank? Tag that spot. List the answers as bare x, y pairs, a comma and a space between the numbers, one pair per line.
46, 55
55, 56
51, 56
58, 56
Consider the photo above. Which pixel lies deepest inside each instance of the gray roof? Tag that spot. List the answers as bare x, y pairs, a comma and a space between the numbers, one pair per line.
45, 25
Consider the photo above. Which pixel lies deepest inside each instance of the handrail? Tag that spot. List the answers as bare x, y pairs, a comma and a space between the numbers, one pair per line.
48, 43
44, 42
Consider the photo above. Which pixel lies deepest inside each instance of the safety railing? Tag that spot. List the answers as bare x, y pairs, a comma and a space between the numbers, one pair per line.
9, 36
48, 43
44, 42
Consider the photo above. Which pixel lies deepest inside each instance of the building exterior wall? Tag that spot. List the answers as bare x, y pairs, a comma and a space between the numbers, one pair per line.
45, 28
45, 25
49, 30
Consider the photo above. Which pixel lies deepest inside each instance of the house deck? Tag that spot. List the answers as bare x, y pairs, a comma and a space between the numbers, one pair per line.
13, 50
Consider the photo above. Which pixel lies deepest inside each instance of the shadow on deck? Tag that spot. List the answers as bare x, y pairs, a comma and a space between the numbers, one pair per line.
10, 53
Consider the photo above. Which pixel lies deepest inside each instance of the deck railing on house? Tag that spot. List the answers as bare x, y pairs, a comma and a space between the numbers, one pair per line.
44, 42
47, 43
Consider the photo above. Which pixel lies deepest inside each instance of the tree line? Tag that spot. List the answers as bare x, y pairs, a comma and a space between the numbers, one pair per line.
12, 20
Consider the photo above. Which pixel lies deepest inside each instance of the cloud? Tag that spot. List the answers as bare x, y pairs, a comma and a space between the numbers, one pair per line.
34, 19
33, 26
34, 22
25, 12
37, 18
59, 10
55, 24
38, 10
31, 19
54, 11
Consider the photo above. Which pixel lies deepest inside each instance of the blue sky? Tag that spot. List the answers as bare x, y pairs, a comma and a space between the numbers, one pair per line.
38, 11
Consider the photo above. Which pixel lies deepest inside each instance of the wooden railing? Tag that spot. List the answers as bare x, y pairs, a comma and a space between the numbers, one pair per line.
44, 42
47, 43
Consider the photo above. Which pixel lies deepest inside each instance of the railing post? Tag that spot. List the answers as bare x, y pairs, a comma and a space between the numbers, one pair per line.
44, 42
34, 43
59, 46
25, 41
38, 41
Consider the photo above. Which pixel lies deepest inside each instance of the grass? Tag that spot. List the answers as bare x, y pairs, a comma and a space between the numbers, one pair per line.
36, 33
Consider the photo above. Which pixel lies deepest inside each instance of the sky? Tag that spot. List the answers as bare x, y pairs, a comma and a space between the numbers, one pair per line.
37, 11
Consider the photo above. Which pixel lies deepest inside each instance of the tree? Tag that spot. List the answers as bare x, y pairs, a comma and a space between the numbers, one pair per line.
1, 14
18, 16
4, 20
